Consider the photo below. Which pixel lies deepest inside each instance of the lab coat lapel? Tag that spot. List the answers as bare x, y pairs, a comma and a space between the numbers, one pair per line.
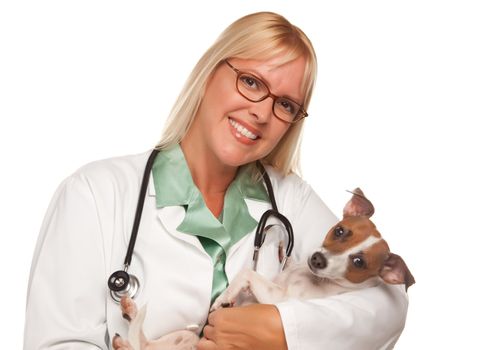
256, 209
171, 217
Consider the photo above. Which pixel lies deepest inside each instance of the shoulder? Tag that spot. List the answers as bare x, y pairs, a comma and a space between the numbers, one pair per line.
310, 217
107, 177
297, 198
289, 185
121, 166
121, 169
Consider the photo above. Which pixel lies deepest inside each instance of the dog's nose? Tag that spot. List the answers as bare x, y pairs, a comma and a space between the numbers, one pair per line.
318, 260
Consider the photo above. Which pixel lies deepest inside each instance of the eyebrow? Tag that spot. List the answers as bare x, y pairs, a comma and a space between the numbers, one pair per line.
254, 72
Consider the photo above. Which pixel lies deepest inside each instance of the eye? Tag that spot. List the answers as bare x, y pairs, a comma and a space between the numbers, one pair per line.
286, 105
251, 82
358, 262
339, 231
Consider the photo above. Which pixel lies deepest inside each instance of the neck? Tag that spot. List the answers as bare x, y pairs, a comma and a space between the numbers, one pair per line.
210, 177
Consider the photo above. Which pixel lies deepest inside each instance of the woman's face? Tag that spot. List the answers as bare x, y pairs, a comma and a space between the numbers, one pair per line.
235, 131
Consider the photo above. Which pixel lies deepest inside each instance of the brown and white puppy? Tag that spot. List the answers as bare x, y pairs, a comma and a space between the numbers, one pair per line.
353, 256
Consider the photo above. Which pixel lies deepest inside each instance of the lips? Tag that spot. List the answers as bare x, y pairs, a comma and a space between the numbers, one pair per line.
244, 130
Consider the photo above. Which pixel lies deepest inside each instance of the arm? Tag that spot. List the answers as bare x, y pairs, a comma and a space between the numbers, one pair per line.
367, 319
256, 326
65, 305
348, 321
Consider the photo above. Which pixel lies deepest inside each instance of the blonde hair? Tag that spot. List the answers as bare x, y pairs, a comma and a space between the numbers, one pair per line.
261, 36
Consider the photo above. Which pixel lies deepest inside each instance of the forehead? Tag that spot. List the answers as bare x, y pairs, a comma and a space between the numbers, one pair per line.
358, 230
281, 78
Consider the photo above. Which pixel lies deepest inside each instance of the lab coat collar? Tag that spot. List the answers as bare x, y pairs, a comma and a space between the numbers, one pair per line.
171, 217
171, 210
174, 183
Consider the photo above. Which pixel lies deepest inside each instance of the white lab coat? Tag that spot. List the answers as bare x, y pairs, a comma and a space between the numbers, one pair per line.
84, 238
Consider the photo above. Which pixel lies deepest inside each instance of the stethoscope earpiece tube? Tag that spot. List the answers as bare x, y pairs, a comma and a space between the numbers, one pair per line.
121, 282
259, 237
140, 207
268, 183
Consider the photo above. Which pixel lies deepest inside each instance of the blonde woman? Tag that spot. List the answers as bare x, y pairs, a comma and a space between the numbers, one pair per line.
246, 100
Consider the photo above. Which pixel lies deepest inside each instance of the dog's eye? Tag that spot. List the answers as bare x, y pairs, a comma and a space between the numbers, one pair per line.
358, 262
339, 231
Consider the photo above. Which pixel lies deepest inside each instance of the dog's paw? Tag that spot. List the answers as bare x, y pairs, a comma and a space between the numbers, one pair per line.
129, 308
222, 301
118, 343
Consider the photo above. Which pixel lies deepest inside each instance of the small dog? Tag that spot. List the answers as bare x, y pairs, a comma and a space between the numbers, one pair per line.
353, 256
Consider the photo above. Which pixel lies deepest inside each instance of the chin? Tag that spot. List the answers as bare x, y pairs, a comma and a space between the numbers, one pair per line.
234, 159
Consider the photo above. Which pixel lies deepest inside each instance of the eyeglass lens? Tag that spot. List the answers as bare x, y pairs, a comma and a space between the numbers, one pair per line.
256, 90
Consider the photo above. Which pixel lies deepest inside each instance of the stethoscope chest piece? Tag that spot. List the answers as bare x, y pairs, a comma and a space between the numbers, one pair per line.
122, 284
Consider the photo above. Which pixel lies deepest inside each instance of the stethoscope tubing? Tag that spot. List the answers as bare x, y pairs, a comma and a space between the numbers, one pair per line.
140, 207
120, 282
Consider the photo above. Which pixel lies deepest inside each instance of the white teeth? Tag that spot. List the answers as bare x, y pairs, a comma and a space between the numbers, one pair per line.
241, 130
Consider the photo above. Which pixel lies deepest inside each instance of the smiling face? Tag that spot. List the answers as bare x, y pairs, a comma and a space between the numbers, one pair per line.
229, 130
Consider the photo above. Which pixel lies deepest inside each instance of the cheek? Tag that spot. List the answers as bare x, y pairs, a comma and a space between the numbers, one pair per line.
356, 275
210, 106
277, 132
220, 97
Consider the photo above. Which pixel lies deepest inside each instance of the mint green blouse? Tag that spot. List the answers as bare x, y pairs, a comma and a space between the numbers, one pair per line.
174, 186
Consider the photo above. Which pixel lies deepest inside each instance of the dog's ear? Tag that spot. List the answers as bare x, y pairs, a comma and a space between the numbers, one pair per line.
395, 271
359, 205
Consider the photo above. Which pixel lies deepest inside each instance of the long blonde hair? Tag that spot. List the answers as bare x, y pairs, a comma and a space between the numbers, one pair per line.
261, 36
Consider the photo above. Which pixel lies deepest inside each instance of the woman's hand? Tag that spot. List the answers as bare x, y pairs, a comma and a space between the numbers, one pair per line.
256, 326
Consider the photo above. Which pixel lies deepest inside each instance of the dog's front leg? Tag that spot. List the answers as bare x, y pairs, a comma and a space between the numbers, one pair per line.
264, 291
136, 338
178, 340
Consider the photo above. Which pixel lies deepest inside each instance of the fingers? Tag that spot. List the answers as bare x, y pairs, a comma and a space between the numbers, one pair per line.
209, 332
120, 344
206, 344
213, 317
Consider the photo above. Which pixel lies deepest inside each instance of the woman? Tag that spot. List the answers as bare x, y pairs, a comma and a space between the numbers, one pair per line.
244, 101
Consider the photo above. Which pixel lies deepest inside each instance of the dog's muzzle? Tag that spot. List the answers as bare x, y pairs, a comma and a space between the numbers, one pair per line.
318, 261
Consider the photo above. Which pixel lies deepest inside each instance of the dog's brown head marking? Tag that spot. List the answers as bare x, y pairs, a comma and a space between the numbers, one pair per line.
369, 254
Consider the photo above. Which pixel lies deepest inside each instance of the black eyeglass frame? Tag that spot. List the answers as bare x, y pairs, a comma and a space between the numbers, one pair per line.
301, 113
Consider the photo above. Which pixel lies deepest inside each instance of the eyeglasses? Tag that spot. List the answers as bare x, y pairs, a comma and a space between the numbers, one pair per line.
255, 90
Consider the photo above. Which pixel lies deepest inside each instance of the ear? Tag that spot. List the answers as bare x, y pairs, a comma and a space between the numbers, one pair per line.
359, 205
395, 271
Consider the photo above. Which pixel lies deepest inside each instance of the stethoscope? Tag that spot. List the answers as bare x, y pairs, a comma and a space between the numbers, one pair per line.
121, 283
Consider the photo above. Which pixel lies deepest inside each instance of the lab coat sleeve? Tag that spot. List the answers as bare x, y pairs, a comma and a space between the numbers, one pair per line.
368, 319
66, 294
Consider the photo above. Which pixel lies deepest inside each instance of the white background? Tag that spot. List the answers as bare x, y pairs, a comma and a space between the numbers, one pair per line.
394, 112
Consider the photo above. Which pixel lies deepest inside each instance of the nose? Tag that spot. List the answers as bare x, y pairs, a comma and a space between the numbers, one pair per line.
318, 260
262, 110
